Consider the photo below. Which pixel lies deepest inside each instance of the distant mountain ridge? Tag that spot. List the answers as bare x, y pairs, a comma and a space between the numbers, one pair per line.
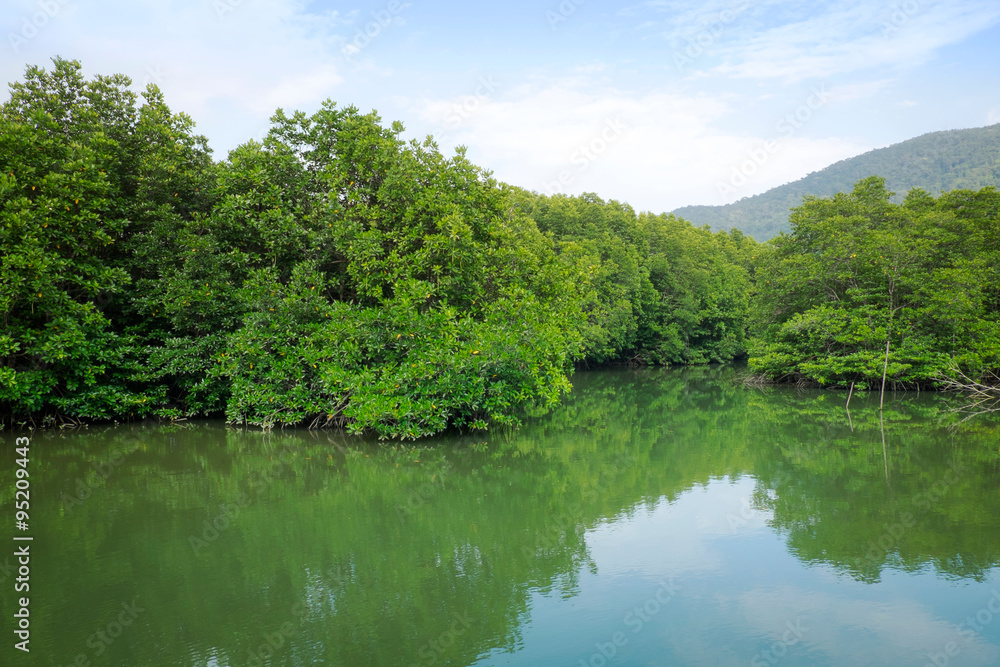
936, 162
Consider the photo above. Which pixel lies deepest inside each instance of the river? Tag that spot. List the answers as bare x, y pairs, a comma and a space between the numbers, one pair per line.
656, 517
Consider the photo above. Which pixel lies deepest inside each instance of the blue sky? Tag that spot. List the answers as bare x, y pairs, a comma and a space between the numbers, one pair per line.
661, 104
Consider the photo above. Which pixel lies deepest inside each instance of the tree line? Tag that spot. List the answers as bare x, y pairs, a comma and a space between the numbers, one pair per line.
333, 274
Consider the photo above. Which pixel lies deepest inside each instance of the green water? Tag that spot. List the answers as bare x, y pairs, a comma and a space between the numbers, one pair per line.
656, 518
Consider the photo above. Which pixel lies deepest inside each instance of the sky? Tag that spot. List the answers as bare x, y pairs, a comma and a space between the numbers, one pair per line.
660, 104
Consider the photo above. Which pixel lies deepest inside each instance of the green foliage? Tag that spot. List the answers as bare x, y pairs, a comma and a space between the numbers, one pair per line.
659, 290
859, 273
602, 241
700, 313
331, 274
75, 157
383, 286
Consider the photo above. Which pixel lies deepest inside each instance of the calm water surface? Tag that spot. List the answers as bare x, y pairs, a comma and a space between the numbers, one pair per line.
656, 518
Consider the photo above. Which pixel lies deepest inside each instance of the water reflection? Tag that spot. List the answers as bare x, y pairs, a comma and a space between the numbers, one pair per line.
725, 521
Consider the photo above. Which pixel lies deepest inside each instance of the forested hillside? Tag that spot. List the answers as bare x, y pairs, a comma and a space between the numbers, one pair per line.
935, 162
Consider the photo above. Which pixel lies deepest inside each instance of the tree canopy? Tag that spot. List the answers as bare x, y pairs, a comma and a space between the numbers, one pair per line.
334, 274
860, 275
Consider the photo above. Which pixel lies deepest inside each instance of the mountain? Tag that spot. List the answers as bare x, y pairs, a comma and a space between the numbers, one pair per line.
936, 162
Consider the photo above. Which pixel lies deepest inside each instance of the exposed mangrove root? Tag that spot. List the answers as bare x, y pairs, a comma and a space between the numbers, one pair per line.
753, 381
637, 361
330, 420
983, 393
335, 418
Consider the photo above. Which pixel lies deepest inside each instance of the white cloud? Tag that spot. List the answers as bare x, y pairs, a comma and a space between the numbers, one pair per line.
227, 63
893, 632
854, 36
669, 152
857, 91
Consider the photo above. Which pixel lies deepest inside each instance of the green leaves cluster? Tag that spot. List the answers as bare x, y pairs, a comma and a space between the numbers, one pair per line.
660, 290
400, 292
859, 273
85, 172
331, 274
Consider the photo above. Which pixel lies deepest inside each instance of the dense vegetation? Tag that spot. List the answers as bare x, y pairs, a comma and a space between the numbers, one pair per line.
935, 162
336, 275
861, 277
659, 290
332, 274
